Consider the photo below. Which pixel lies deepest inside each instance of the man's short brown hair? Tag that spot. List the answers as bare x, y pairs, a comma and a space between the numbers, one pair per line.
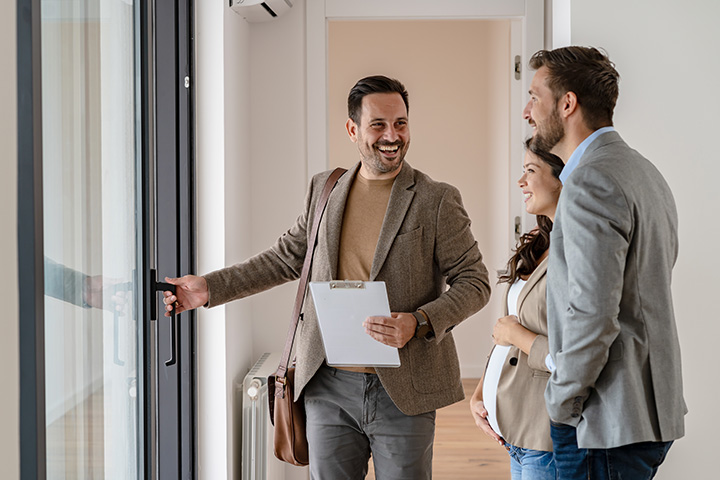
589, 74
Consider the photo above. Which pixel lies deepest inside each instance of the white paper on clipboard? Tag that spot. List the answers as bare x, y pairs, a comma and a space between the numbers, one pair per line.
341, 307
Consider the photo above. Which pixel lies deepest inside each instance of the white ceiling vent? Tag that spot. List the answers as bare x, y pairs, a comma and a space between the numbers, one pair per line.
259, 10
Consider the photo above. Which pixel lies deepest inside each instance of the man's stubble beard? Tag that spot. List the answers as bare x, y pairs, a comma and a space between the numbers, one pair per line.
549, 133
375, 162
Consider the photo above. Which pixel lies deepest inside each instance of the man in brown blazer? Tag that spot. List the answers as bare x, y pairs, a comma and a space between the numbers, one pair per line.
385, 221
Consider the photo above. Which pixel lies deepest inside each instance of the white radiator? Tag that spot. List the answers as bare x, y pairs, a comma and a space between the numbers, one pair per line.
258, 459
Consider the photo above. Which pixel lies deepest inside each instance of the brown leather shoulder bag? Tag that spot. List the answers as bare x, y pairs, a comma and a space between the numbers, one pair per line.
288, 416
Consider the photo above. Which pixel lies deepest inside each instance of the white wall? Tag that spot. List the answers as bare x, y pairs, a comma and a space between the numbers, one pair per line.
250, 90
666, 53
278, 159
278, 164
238, 343
9, 400
224, 333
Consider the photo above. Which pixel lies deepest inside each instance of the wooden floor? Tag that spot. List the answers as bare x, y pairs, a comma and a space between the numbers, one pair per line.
461, 450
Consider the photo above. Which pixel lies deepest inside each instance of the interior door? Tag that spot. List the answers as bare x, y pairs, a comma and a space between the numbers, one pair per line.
474, 94
526, 37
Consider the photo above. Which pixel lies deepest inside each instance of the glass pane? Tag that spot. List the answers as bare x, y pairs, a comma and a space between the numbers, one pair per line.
89, 187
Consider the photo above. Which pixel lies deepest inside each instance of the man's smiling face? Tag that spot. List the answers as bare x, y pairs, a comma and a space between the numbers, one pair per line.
383, 135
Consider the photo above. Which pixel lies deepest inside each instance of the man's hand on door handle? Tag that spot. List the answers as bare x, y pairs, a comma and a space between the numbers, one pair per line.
192, 292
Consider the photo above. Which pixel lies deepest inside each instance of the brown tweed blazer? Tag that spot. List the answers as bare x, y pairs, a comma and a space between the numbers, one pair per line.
425, 246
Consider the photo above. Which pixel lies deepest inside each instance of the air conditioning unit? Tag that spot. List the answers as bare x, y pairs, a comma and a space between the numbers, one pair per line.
259, 10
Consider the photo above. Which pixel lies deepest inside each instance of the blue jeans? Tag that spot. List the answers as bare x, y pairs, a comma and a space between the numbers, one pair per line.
638, 461
527, 464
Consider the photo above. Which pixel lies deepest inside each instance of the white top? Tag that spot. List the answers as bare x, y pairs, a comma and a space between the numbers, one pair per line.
497, 359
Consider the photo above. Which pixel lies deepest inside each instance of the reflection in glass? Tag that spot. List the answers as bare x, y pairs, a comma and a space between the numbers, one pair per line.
89, 158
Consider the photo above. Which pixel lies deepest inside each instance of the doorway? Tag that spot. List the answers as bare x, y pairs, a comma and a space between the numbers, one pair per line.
496, 221
458, 79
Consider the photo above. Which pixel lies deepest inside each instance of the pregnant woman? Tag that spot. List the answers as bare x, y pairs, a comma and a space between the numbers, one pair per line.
508, 404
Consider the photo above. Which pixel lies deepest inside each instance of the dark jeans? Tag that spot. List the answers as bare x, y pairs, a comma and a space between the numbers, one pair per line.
638, 461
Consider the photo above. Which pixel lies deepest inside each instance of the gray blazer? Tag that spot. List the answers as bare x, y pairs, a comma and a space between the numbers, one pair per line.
521, 411
612, 331
425, 245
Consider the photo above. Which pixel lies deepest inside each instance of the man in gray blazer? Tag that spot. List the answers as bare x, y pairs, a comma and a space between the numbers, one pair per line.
615, 398
385, 221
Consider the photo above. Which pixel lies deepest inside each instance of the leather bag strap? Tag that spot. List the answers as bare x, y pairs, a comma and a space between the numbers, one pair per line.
302, 286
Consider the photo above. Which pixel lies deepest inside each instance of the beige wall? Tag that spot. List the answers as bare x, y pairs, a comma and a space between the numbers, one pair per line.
9, 404
458, 82
666, 53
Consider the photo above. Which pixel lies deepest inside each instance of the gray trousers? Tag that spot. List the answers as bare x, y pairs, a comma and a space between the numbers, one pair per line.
350, 416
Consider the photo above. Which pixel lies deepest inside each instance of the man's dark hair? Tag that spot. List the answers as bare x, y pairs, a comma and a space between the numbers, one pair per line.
373, 84
589, 74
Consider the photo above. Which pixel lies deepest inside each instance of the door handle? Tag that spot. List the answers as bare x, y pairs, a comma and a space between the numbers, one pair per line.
161, 287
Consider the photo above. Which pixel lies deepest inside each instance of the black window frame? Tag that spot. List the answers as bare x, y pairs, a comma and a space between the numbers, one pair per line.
30, 243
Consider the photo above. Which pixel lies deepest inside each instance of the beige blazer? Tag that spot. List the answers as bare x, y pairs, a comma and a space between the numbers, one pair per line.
521, 411
425, 246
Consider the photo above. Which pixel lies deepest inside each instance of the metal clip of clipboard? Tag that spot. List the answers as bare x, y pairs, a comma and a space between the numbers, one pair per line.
346, 284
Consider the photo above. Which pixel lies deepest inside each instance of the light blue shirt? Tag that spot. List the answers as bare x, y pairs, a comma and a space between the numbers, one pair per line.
579, 151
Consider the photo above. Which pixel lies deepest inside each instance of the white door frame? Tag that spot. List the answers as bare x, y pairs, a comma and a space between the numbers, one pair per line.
527, 36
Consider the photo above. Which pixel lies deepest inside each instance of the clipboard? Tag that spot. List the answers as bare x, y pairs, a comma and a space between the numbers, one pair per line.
341, 308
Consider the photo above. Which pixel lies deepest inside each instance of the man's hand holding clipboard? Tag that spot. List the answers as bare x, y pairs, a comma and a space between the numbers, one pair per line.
395, 330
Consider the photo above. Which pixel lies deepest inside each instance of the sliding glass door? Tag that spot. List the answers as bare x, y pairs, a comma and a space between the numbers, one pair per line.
106, 200
90, 243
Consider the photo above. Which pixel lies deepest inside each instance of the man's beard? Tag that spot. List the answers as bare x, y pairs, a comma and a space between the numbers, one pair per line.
549, 132
375, 161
